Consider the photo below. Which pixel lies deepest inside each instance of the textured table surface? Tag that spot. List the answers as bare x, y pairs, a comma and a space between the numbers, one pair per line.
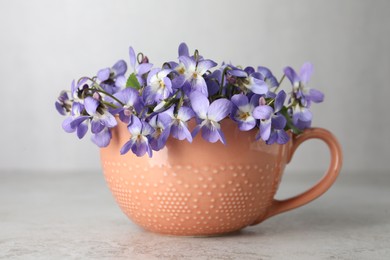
73, 216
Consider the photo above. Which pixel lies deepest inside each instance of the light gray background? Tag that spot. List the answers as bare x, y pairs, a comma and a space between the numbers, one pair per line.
45, 44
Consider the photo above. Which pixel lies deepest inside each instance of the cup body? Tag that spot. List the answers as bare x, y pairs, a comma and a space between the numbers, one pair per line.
197, 188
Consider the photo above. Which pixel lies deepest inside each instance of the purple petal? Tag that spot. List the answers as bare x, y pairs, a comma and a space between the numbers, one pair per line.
60, 108
265, 72
255, 100
212, 86
140, 147
185, 114
249, 70
272, 138
127, 146
305, 115
178, 81
124, 118
77, 121
247, 125
291, 75
82, 129
97, 126
278, 122
303, 124
221, 136
258, 86
120, 68
90, 105
66, 125
283, 137
170, 111
164, 137
316, 96
73, 87
149, 95
199, 84
152, 74
103, 138
239, 100
187, 61
199, 103
128, 96
132, 57
168, 87
181, 132
163, 73
183, 50
120, 81
263, 112
204, 65
279, 101
147, 129
219, 109
210, 134
164, 119
306, 71
158, 142
104, 74
238, 73
109, 120
265, 130
135, 127
149, 151
196, 130
170, 65
144, 68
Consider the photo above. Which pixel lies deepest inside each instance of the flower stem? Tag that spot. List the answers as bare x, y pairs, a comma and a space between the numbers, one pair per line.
109, 104
140, 57
107, 94
280, 82
223, 80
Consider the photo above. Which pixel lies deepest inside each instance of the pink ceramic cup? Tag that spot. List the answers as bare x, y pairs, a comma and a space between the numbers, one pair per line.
201, 189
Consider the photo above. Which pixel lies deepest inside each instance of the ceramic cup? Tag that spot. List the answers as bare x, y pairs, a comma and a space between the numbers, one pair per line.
202, 188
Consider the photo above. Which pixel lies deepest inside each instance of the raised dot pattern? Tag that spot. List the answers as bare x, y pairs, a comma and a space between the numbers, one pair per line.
193, 200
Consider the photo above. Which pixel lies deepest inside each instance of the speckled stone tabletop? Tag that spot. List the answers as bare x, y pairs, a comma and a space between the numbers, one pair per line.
73, 216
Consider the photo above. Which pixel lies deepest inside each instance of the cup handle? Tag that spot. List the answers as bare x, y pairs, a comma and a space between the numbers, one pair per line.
279, 206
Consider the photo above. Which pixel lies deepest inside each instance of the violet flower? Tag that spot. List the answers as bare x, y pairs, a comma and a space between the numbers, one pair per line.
272, 123
210, 115
194, 72
249, 81
63, 104
132, 104
302, 96
162, 126
140, 69
100, 117
266, 75
139, 142
82, 128
179, 122
242, 111
102, 138
159, 86
108, 76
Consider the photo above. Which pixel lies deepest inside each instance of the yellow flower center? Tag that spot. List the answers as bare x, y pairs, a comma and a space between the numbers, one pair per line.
162, 84
244, 115
181, 70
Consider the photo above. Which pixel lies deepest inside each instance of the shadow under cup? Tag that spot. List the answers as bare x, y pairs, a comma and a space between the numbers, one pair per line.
202, 188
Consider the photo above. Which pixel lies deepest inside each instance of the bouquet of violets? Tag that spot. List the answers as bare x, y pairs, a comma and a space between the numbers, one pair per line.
157, 103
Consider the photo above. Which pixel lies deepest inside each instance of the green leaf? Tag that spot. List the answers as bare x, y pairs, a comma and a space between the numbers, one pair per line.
289, 124
132, 82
